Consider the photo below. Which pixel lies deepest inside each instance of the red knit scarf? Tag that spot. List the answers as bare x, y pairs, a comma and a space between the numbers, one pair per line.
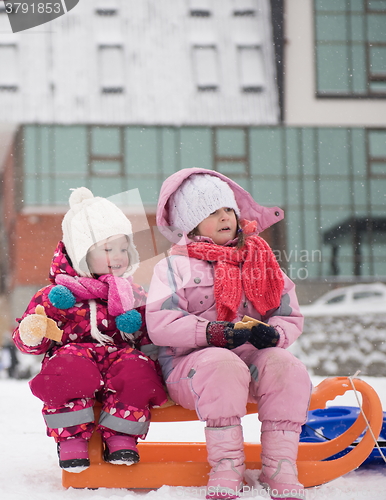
259, 275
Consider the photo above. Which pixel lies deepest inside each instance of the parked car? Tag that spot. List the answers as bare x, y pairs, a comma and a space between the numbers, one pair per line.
355, 299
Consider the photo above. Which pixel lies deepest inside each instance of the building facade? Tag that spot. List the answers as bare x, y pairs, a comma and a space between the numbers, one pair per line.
286, 98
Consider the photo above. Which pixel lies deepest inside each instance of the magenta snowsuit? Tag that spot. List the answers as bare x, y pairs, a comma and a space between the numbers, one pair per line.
78, 370
214, 381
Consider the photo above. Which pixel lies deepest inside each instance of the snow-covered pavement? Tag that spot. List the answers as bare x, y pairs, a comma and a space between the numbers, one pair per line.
29, 469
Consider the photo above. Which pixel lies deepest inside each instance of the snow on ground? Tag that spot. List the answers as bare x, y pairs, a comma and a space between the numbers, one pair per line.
29, 468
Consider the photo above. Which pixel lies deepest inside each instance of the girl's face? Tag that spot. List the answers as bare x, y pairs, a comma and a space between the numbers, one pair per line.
220, 226
109, 256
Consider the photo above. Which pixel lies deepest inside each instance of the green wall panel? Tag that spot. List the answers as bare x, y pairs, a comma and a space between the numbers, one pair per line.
310, 191
148, 189
292, 153
60, 191
29, 146
230, 142
268, 192
377, 143
318, 175
105, 186
376, 31
331, 27
332, 68
195, 147
231, 169
141, 150
30, 193
358, 73
335, 192
360, 194
106, 141
266, 155
357, 28
331, 218
378, 192
356, 5
308, 155
170, 155
358, 152
70, 150
295, 193
333, 152
330, 5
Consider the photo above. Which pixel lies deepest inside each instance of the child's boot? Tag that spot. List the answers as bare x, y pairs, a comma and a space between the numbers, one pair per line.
121, 449
225, 446
73, 454
279, 450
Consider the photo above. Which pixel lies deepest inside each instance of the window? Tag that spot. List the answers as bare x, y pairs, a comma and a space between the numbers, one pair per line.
200, 8
8, 65
5, 25
366, 295
104, 11
251, 68
231, 151
206, 67
244, 7
111, 68
335, 300
350, 48
106, 7
376, 5
106, 151
376, 156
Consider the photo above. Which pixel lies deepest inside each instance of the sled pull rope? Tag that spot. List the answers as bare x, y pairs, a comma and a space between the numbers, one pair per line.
363, 414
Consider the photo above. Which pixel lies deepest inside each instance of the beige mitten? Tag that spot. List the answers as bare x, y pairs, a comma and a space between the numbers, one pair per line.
35, 327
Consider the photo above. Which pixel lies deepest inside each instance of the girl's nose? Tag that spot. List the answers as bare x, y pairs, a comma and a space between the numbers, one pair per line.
116, 255
224, 214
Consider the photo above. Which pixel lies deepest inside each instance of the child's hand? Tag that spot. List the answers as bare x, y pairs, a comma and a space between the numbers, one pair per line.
35, 327
264, 336
223, 334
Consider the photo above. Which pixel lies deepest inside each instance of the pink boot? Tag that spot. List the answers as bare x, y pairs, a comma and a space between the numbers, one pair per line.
225, 446
121, 449
279, 450
73, 454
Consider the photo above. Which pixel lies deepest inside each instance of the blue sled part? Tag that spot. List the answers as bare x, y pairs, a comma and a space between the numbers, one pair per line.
331, 422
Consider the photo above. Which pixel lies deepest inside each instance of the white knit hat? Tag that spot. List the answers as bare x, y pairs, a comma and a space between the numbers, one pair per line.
90, 220
196, 198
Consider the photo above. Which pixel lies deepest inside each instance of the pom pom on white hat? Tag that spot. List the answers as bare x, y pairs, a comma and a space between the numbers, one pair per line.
196, 198
92, 219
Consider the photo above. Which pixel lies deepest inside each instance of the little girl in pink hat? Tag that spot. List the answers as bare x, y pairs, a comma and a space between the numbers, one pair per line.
218, 271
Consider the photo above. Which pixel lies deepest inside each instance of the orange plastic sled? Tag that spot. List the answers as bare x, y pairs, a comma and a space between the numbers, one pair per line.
185, 464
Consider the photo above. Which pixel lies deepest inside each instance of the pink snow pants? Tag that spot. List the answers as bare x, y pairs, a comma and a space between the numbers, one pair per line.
123, 379
218, 383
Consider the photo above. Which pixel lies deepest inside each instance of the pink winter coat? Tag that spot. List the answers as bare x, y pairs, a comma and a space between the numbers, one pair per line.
181, 300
